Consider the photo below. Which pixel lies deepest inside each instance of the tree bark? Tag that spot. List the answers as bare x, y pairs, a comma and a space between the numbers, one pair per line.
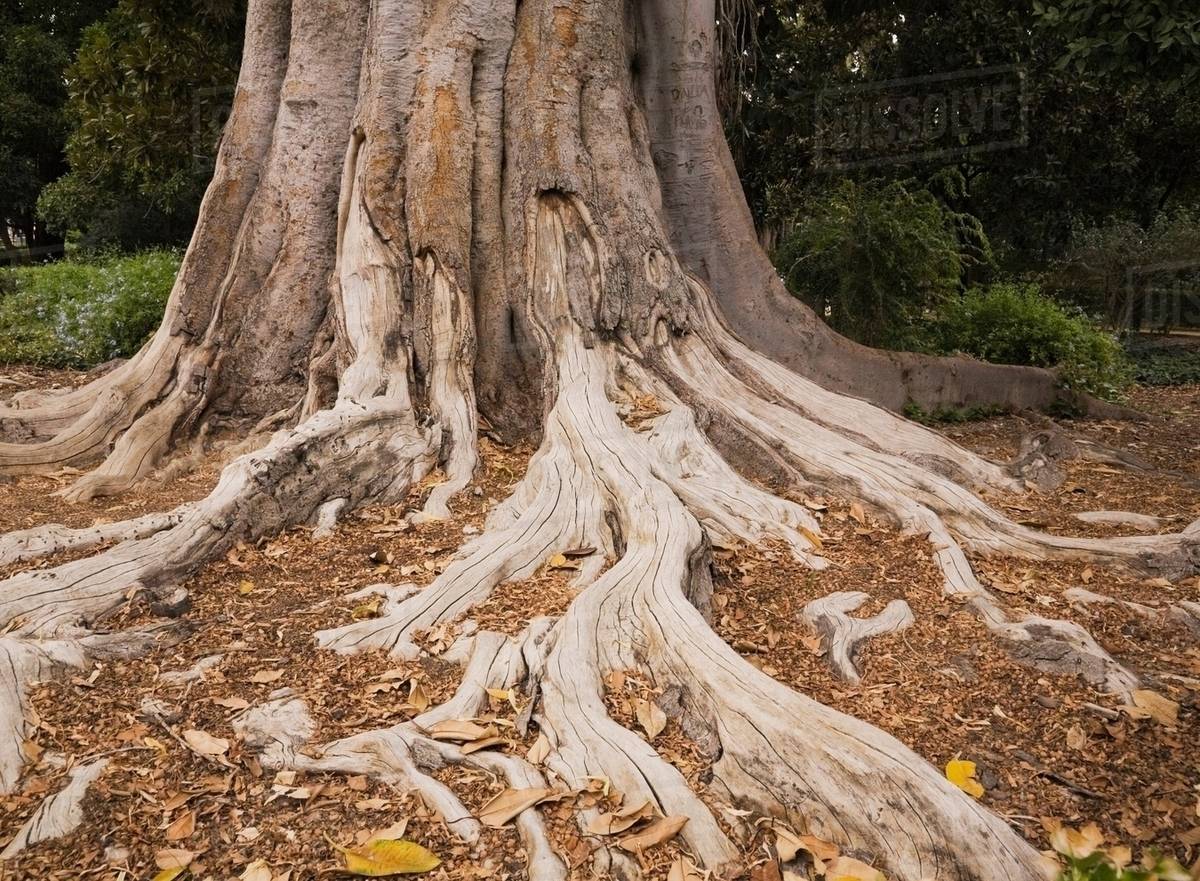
430, 214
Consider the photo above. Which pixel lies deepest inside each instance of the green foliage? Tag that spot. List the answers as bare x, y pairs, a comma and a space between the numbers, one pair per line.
1131, 38
148, 91
951, 415
1111, 267
79, 314
37, 41
1164, 362
1100, 866
874, 259
1017, 324
1098, 146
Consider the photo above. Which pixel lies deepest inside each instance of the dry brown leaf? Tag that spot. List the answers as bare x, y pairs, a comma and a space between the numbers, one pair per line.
540, 750
265, 676
183, 827
850, 869
684, 869
417, 695
257, 871
231, 703
616, 823
461, 730
1152, 705
484, 743
505, 806
173, 858
650, 716
205, 744
658, 832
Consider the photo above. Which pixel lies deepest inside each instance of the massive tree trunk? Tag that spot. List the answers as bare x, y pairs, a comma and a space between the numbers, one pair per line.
425, 213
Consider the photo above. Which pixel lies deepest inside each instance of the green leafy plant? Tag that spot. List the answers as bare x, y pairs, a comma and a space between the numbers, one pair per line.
1081, 856
1017, 324
873, 259
83, 313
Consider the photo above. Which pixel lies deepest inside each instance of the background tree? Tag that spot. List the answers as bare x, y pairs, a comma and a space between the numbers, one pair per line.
37, 41
148, 95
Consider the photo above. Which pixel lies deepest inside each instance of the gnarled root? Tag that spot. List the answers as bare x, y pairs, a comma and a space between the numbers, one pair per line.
59, 814
404, 755
830, 616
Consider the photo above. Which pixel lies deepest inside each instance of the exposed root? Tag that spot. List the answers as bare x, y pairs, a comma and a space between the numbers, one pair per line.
830, 616
30, 661
1138, 522
45, 541
404, 755
60, 814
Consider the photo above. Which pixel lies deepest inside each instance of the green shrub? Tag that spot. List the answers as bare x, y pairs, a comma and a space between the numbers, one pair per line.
873, 259
83, 313
1017, 324
1163, 364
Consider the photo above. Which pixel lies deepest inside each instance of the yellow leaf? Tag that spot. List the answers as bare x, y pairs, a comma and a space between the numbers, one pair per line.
1080, 843
246, 587
382, 858
962, 775
560, 561
170, 874
813, 538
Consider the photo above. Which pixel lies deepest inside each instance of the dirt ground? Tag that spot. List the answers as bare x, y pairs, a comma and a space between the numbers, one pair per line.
1048, 748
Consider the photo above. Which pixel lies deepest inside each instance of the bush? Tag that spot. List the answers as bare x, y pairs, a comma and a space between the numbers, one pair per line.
83, 313
873, 259
1017, 324
1164, 362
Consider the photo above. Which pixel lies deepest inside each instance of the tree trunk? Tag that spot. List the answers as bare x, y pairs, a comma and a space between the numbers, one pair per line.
428, 212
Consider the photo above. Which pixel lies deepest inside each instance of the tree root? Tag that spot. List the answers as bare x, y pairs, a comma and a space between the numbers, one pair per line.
59, 814
830, 616
45, 541
404, 755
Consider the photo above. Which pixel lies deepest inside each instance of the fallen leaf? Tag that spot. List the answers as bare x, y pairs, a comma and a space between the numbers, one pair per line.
540, 750
962, 774
501, 809
170, 874
183, 827
257, 871
684, 870
173, 858
265, 676
461, 730
560, 561
850, 869
1162, 710
616, 823
381, 858
205, 744
650, 716
245, 587
483, 743
417, 695
658, 832
1079, 843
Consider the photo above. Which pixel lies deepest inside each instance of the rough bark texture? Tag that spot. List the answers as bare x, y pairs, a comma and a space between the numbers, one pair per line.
432, 215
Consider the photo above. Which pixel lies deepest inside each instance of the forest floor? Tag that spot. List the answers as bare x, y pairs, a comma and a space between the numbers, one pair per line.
1048, 748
